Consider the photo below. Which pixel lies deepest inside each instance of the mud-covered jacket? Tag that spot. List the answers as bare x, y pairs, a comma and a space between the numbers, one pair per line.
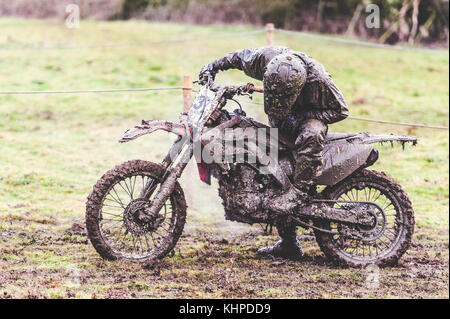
320, 98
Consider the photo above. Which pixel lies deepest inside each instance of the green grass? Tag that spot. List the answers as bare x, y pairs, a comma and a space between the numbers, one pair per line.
53, 148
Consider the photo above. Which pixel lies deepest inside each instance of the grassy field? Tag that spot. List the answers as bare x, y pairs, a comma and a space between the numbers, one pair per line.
53, 148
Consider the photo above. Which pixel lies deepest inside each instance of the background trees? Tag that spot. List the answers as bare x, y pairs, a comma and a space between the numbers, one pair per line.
410, 21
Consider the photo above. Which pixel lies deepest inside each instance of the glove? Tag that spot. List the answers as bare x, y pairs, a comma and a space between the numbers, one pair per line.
207, 72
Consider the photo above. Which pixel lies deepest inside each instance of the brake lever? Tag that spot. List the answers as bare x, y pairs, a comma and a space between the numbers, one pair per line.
246, 90
246, 94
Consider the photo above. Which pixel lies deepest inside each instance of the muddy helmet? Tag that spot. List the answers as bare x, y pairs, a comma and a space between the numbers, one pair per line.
284, 79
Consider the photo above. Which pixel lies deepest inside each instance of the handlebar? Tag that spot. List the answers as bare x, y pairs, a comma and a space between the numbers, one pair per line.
248, 88
245, 89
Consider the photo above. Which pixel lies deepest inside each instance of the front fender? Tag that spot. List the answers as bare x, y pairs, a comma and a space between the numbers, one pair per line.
148, 127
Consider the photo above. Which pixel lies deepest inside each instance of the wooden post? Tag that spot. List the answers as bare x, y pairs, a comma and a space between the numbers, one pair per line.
187, 93
190, 174
270, 28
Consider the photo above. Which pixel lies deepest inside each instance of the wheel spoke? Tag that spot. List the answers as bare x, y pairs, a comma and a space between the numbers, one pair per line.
125, 190
115, 200
134, 184
118, 198
111, 227
129, 187
107, 213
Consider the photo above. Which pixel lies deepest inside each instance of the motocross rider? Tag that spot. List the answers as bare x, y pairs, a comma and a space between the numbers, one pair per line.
300, 99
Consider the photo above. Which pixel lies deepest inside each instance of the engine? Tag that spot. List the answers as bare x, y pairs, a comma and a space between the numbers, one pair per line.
244, 192
243, 189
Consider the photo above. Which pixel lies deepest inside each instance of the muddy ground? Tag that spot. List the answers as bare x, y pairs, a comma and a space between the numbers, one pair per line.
57, 261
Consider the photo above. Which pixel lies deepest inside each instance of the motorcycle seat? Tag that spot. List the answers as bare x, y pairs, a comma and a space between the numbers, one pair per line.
286, 145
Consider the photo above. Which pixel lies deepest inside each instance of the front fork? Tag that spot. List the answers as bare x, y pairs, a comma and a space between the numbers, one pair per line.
151, 184
175, 162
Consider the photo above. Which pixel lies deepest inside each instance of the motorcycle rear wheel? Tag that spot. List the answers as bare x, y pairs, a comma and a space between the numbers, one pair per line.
113, 212
386, 250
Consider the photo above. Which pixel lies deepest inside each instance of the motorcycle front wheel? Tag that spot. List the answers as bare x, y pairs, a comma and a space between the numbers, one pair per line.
382, 245
116, 222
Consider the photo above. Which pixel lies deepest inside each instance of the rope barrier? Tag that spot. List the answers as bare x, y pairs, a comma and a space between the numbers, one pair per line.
399, 123
143, 43
379, 121
238, 34
361, 43
189, 88
95, 91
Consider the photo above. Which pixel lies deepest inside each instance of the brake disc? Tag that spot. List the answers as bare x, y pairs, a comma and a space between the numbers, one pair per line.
137, 220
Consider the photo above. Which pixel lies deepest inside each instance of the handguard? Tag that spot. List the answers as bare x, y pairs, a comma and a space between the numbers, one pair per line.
148, 127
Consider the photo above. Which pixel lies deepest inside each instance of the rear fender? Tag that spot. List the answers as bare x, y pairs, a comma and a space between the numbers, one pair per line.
345, 153
148, 127
341, 160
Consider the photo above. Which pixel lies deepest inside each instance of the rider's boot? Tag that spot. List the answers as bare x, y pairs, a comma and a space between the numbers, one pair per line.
304, 177
294, 198
290, 200
287, 247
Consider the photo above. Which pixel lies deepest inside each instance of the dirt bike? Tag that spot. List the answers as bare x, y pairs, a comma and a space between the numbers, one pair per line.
137, 211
